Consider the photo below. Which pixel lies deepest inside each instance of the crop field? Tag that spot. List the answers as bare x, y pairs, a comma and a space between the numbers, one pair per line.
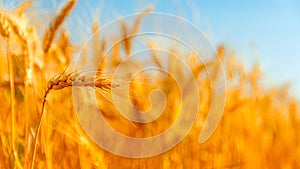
45, 98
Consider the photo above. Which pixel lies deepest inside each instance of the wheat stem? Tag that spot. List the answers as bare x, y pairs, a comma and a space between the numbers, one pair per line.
12, 101
64, 81
38, 129
13, 109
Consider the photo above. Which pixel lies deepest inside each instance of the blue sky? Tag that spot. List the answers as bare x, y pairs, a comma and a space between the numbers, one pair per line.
258, 30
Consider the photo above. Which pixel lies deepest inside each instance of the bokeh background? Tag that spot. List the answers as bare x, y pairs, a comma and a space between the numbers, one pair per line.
39, 126
265, 31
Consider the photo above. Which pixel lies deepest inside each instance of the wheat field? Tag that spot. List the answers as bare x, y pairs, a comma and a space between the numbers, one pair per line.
39, 126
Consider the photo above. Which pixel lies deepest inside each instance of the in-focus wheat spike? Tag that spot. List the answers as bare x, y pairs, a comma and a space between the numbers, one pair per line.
55, 24
69, 80
72, 80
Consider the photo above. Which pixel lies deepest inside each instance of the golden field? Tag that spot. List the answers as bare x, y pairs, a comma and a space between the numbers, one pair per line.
40, 128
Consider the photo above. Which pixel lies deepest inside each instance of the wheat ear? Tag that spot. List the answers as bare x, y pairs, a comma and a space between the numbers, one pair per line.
50, 33
64, 81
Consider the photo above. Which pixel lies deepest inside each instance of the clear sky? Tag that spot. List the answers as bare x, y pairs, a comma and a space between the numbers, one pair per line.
264, 30
258, 30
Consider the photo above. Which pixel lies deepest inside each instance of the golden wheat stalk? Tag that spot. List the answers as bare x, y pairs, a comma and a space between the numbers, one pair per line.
54, 26
13, 109
155, 58
127, 35
73, 80
21, 8
69, 80
8, 28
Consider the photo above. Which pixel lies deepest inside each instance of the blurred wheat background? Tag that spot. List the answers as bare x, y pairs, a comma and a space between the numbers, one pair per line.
39, 126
